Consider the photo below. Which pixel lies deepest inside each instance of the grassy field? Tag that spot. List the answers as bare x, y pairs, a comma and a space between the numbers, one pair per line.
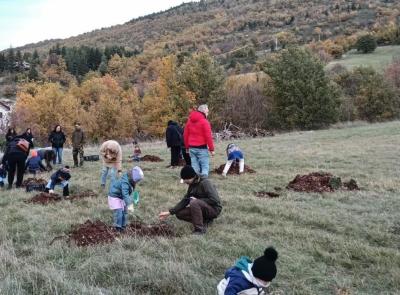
378, 59
331, 243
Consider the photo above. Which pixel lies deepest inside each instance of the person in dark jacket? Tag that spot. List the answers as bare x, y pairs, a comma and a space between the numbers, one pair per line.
247, 277
34, 163
61, 178
174, 138
78, 140
48, 156
29, 137
15, 157
201, 204
57, 139
11, 133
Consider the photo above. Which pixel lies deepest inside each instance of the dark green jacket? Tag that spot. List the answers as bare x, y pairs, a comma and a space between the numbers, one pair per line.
201, 189
78, 138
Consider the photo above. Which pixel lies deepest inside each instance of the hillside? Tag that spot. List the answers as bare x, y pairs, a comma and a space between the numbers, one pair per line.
343, 242
223, 25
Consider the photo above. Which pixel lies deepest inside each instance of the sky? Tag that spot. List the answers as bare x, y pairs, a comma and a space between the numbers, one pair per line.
30, 21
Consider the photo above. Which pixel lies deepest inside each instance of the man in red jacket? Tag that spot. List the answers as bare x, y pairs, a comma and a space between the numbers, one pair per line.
198, 140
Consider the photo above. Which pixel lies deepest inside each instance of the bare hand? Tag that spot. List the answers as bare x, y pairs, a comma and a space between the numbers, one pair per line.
164, 215
212, 154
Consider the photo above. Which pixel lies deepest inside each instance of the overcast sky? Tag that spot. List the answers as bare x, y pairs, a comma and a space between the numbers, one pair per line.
27, 21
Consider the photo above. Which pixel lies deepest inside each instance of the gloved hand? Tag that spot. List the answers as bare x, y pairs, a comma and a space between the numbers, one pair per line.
131, 208
51, 191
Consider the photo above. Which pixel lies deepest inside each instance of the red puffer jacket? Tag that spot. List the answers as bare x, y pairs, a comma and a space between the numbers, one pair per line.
198, 131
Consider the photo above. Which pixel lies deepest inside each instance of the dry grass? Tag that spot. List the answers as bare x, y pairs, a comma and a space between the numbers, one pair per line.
334, 243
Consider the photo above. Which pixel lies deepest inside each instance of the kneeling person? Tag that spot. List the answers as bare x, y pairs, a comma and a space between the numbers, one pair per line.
200, 205
60, 178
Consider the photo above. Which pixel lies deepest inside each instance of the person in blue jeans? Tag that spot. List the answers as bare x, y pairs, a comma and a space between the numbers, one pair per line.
119, 196
57, 139
198, 140
60, 178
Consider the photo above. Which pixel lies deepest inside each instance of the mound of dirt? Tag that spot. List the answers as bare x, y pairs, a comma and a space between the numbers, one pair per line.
263, 194
34, 181
319, 182
151, 158
91, 233
84, 194
44, 198
234, 169
94, 233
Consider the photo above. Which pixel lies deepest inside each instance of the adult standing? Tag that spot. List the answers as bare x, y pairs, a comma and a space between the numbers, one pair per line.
11, 133
201, 204
57, 139
198, 139
174, 138
14, 158
111, 154
78, 140
29, 137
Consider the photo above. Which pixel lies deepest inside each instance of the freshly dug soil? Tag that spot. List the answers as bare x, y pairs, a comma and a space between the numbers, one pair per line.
234, 169
319, 182
151, 158
263, 194
94, 233
91, 233
44, 198
34, 181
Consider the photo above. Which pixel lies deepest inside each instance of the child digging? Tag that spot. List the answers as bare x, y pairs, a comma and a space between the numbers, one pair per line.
234, 154
34, 163
248, 278
60, 178
119, 196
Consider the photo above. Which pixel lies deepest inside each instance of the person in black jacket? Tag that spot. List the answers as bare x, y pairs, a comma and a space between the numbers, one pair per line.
60, 178
15, 158
174, 138
11, 133
29, 137
57, 139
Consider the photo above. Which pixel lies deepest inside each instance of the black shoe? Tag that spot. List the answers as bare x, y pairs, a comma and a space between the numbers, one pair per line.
208, 223
1, 184
119, 229
9, 186
199, 232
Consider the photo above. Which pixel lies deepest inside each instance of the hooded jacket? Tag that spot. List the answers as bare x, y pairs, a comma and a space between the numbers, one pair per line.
111, 153
198, 132
174, 134
122, 188
239, 279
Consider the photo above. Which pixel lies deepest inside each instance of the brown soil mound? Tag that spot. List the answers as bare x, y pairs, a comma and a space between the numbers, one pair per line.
34, 181
94, 233
45, 198
150, 158
234, 169
263, 194
319, 182
91, 233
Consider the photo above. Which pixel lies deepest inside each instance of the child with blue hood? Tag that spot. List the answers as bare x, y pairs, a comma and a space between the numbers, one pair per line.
250, 278
119, 196
234, 154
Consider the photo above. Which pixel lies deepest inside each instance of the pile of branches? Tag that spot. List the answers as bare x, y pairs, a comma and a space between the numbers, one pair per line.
231, 131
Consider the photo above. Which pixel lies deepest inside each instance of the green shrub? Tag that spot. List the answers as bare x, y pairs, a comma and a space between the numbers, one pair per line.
366, 44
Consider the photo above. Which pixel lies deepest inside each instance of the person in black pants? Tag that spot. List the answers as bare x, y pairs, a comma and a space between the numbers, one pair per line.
174, 139
15, 158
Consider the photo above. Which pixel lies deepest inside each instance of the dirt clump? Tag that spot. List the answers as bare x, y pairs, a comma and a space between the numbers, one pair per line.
34, 181
263, 194
97, 232
91, 233
234, 169
319, 182
44, 198
84, 194
151, 158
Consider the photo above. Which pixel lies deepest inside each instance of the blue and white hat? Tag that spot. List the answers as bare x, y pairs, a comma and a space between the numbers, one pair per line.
137, 174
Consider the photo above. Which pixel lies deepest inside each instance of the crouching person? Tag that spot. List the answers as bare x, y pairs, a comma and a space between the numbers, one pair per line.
34, 163
201, 204
247, 277
3, 174
119, 196
234, 154
60, 178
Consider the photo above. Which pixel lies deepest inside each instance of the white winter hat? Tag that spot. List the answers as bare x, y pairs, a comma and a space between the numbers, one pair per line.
137, 174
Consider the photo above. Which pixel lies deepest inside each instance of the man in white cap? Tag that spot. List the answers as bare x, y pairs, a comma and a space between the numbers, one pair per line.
119, 196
